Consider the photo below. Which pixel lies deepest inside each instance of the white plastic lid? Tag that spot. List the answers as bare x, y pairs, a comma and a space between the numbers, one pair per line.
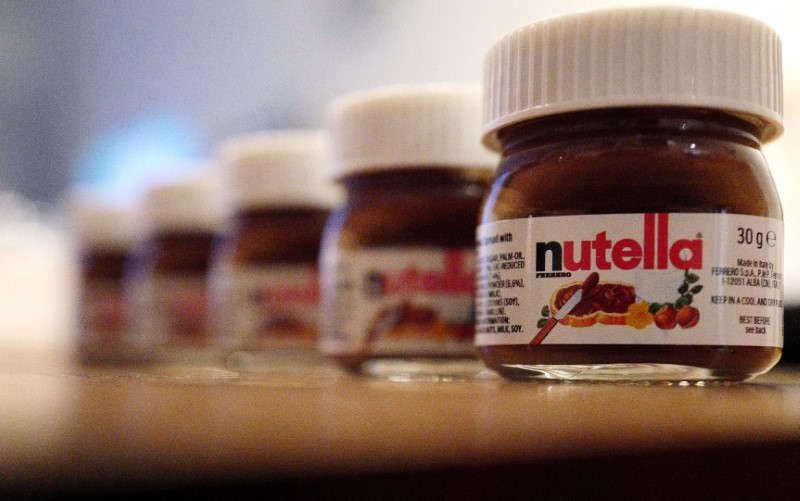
190, 204
102, 227
278, 168
647, 56
407, 127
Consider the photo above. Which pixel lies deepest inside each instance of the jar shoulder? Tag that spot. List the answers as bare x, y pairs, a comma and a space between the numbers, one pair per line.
440, 218
633, 176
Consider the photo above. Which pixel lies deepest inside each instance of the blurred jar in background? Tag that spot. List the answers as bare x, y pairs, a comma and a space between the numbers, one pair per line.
167, 273
103, 236
265, 281
398, 259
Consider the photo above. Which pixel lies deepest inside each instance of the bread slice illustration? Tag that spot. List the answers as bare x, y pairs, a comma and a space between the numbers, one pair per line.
409, 321
606, 303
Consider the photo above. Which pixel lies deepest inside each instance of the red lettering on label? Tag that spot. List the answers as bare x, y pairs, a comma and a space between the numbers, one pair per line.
649, 242
301, 293
663, 240
585, 262
601, 245
653, 251
454, 278
695, 258
626, 254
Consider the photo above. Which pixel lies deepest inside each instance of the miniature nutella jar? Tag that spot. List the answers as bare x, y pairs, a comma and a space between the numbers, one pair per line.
103, 237
266, 288
398, 260
633, 231
167, 275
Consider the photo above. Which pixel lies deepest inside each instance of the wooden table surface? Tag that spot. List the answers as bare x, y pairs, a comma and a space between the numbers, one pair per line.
69, 429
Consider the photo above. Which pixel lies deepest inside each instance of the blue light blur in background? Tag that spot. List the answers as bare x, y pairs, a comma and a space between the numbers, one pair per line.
122, 163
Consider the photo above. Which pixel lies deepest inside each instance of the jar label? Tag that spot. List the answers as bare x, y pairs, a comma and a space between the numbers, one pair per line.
171, 310
657, 279
103, 317
274, 305
399, 300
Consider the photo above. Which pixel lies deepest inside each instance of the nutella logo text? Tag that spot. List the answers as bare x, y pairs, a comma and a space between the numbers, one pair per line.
653, 250
455, 277
306, 292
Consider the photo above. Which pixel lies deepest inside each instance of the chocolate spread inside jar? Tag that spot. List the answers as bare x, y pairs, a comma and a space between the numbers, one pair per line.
671, 205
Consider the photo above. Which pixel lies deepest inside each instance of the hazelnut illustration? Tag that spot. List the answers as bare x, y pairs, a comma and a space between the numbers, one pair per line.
688, 316
665, 317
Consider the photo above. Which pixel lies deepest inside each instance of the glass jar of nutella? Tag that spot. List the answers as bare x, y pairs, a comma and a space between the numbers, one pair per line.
103, 236
265, 280
398, 259
633, 232
168, 268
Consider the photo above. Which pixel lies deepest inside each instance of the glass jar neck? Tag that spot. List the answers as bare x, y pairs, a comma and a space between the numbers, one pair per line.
663, 121
278, 214
414, 180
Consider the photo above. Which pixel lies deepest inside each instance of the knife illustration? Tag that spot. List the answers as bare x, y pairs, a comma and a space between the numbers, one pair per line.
570, 305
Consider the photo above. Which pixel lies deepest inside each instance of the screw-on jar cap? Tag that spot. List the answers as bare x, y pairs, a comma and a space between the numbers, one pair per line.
101, 226
278, 168
187, 205
433, 125
648, 56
